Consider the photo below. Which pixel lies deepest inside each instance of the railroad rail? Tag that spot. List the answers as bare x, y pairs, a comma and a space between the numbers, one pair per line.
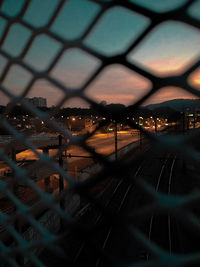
158, 188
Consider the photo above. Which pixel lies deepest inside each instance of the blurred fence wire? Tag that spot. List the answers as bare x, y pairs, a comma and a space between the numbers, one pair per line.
18, 249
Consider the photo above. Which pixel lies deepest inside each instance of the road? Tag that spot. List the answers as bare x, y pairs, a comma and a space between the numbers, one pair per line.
103, 143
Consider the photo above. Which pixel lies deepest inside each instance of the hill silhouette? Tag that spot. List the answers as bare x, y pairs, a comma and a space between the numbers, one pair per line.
177, 104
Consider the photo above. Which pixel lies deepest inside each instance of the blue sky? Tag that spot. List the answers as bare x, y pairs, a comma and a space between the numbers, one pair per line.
168, 49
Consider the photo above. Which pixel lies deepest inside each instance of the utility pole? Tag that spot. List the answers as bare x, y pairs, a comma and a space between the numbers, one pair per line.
140, 121
17, 226
187, 120
61, 183
115, 133
140, 138
15, 182
183, 120
47, 179
194, 117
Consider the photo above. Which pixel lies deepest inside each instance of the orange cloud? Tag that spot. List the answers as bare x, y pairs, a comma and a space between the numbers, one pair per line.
167, 66
118, 84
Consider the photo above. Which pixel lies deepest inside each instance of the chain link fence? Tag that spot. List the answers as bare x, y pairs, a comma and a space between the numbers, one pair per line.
16, 249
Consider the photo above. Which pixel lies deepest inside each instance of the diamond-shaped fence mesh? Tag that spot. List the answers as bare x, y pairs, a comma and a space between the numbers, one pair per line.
34, 220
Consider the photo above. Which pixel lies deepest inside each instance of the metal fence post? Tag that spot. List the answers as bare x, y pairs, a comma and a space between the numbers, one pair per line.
115, 132
15, 185
17, 226
20, 127
46, 179
61, 184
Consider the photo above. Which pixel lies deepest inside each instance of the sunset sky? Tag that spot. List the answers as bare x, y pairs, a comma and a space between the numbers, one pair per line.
169, 49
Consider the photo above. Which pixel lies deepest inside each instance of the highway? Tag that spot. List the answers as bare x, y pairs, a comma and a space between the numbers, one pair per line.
103, 143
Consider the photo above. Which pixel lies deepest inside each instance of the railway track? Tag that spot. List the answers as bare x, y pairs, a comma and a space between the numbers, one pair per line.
114, 203
111, 241
162, 223
100, 247
168, 163
169, 232
93, 250
78, 250
98, 262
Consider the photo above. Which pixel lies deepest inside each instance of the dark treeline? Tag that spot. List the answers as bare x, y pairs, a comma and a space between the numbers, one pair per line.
21, 111
165, 112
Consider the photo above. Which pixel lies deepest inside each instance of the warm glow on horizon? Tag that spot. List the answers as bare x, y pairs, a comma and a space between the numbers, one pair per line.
194, 79
166, 67
197, 81
118, 84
